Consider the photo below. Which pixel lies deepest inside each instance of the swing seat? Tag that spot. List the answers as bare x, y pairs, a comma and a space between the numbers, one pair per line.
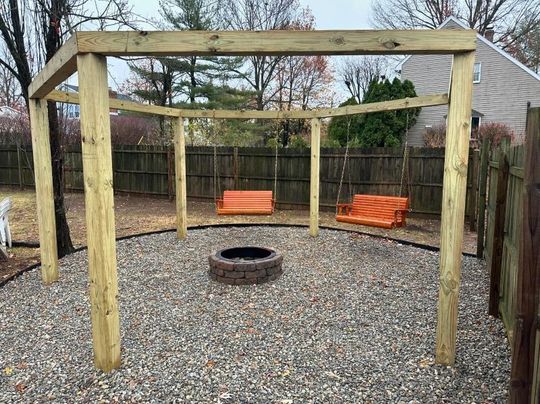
245, 203
374, 210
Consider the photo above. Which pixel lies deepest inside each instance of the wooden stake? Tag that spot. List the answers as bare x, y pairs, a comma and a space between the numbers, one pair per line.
453, 204
314, 181
498, 233
180, 169
482, 188
525, 353
99, 201
41, 149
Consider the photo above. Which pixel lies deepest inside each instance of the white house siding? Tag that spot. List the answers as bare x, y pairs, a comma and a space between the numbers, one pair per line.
501, 96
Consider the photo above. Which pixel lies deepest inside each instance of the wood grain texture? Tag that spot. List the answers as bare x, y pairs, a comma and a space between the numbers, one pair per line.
278, 42
314, 179
180, 170
414, 102
99, 203
39, 125
62, 65
453, 206
498, 234
525, 352
73, 98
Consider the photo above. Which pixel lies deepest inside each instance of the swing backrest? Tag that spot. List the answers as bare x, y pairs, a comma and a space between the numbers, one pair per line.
378, 206
247, 200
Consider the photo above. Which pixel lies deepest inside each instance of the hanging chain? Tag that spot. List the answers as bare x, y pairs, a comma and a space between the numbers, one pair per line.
215, 173
276, 168
344, 163
405, 164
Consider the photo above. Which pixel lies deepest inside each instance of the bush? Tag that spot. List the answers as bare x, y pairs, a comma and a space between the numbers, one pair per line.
495, 132
435, 136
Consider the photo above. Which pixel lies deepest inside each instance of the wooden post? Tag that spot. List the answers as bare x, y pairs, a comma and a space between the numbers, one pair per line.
474, 190
482, 188
99, 203
453, 204
180, 170
41, 149
314, 181
498, 233
528, 277
236, 168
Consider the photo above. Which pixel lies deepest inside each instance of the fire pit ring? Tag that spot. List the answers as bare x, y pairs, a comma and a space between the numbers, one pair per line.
245, 265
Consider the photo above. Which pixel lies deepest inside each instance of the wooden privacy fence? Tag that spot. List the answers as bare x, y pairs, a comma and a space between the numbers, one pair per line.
512, 252
150, 170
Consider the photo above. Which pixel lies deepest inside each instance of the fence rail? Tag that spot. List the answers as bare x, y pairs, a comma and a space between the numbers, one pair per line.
150, 170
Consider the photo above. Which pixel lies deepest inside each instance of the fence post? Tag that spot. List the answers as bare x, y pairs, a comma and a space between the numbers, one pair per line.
498, 232
525, 349
474, 190
482, 187
170, 173
236, 168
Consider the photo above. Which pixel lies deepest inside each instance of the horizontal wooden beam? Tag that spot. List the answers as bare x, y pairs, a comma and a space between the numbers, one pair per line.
278, 42
404, 103
62, 65
73, 98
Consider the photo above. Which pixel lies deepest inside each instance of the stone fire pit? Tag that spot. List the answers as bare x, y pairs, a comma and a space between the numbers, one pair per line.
245, 265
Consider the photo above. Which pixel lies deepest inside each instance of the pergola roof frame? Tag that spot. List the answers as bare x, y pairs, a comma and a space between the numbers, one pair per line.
87, 51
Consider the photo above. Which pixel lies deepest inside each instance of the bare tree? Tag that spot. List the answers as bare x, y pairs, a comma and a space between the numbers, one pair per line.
510, 19
32, 32
358, 72
256, 15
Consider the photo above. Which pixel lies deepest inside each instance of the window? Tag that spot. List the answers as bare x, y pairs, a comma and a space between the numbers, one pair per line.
475, 124
477, 72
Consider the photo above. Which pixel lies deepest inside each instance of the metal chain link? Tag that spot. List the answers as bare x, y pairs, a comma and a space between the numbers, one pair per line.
344, 164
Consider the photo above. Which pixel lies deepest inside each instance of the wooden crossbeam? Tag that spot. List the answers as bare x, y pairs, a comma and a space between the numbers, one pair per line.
62, 65
413, 102
277, 42
73, 98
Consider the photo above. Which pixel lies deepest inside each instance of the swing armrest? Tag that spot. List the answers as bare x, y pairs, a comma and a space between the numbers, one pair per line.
344, 208
219, 203
401, 215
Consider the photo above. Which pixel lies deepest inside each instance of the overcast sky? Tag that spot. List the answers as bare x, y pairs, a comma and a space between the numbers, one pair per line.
329, 14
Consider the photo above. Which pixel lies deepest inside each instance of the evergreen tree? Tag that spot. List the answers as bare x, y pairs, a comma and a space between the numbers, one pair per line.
341, 125
387, 129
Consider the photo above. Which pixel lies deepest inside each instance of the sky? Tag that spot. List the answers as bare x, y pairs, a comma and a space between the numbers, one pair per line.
329, 14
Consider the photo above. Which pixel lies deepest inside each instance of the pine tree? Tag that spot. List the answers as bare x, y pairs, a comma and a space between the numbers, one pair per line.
387, 129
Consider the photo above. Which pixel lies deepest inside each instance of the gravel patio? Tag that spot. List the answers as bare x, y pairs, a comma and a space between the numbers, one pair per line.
352, 319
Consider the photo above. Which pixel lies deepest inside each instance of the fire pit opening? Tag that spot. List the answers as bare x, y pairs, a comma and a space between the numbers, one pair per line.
246, 253
245, 265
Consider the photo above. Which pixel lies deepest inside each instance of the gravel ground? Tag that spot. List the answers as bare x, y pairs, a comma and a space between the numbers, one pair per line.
352, 319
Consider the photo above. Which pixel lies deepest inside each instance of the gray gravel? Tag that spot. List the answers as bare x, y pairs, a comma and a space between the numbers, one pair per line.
352, 319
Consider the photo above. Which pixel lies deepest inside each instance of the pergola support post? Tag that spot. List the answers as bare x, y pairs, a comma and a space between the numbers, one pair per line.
453, 204
180, 178
41, 150
99, 203
314, 181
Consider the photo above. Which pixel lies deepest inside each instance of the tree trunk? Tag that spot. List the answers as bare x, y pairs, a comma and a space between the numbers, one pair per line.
63, 238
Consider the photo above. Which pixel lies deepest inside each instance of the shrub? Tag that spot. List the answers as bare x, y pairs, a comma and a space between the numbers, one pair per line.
435, 136
495, 132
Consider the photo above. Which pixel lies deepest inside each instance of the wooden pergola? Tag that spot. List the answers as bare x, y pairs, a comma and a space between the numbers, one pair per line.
86, 53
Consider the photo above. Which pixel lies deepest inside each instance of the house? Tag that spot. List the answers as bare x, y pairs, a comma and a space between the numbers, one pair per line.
502, 86
73, 110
